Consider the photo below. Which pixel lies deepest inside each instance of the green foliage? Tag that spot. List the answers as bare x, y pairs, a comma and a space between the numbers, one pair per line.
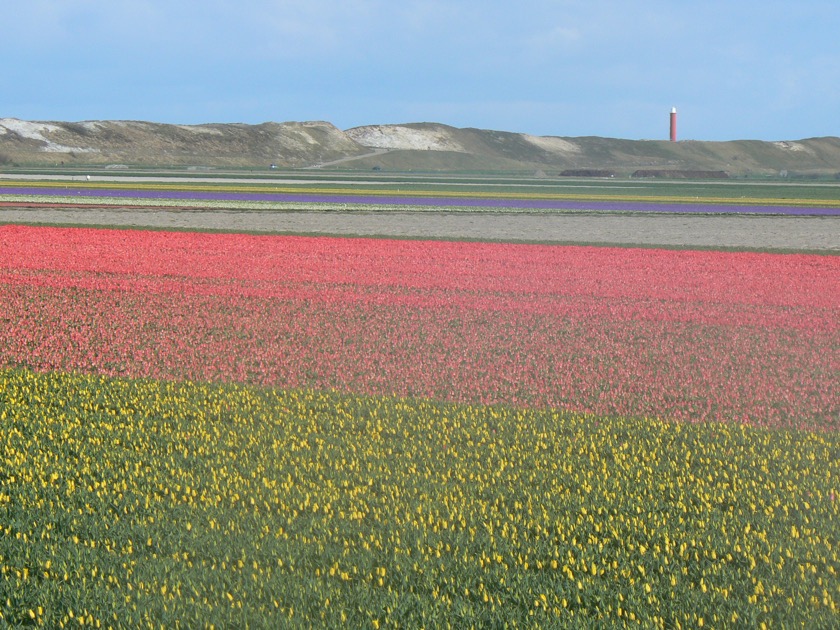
144, 503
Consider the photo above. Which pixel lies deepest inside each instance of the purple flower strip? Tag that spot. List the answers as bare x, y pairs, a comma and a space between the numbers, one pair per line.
406, 200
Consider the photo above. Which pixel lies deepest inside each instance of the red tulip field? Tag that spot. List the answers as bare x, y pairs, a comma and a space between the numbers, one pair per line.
680, 335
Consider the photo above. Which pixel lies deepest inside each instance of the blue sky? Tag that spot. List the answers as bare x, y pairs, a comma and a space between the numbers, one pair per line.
739, 69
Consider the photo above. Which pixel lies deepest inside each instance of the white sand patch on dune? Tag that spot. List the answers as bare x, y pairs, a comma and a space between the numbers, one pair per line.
35, 131
200, 129
790, 146
28, 129
405, 138
553, 144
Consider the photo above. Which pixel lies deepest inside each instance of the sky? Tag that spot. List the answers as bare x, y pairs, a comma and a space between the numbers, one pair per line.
743, 69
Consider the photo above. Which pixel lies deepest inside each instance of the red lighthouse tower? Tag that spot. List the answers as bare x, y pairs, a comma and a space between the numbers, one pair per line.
673, 124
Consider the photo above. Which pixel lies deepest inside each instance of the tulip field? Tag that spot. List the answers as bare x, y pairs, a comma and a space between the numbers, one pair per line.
419, 195
237, 430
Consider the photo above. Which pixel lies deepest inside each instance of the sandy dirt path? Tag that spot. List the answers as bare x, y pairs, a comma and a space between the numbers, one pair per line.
771, 232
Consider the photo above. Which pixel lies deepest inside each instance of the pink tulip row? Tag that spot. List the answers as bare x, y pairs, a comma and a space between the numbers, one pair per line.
686, 335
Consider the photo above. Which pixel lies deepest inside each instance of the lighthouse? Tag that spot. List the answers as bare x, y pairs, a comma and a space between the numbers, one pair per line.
673, 124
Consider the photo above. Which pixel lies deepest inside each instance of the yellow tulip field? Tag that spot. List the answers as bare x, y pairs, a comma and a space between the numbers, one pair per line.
147, 503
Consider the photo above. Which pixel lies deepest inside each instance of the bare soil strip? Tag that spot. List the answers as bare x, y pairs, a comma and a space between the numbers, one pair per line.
705, 231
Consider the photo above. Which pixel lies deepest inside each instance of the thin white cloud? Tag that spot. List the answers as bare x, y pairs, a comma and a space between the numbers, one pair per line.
548, 42
57, 23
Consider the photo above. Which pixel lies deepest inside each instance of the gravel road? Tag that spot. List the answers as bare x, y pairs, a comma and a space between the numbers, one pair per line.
770, 232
